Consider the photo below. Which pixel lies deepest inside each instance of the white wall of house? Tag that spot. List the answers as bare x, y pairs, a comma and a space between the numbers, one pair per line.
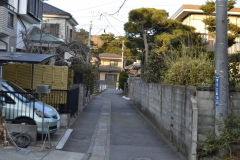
61, 23
24, 23
68, 28
64, 25
22, 7
196, 20
20, 28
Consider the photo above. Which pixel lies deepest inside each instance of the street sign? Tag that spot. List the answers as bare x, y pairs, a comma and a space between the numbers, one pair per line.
217, 90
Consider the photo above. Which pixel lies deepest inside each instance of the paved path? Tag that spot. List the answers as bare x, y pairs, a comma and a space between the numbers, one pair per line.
84, 127
111, 129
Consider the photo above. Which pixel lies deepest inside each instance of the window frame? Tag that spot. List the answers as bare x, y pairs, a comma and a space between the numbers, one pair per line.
6, 44
113, 63
10, 20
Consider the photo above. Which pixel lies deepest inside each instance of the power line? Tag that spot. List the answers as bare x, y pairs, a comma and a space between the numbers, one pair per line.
112, 25
117, 19
84, 9
111, 14
119, 8
101, 30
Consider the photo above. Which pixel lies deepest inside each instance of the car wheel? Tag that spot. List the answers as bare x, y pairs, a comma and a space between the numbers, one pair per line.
24, 121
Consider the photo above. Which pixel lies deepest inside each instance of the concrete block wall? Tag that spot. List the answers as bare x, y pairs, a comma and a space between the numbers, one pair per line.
235, 102
183, 114
206, 110
169, 108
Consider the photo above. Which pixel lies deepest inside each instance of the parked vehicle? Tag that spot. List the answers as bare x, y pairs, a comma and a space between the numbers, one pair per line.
22, 108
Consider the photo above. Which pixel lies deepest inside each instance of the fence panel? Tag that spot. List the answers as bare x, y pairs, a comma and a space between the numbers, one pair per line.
28, 76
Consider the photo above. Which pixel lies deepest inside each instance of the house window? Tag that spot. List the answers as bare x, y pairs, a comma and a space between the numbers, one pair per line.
10, 20
4, 3
3, 45
40, 10
111, 77
71, 35
52, 29
35, 8
113, 63
67, 35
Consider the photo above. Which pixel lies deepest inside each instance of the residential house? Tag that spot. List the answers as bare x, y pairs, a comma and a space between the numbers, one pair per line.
134, 69
58, 23
192, 15
110, 67
29, 14
8, 20
17, 16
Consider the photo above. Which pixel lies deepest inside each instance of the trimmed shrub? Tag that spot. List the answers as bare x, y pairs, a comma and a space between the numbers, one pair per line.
191, 72
123, 77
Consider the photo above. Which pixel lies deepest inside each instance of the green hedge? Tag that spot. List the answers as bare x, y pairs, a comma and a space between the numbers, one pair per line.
123, 77
191, 72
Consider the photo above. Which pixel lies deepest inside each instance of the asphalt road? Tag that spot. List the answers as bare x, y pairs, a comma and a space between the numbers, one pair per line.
131, 137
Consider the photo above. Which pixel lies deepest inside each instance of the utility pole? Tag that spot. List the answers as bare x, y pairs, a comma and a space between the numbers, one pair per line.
89, 41
122, 54
221, 73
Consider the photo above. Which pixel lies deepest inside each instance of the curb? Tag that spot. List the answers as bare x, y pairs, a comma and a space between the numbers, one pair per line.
64, 139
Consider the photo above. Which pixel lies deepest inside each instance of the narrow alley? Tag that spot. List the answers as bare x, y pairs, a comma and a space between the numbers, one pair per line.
111, 128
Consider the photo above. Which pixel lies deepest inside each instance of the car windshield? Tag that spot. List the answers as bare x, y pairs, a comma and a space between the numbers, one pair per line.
19, 92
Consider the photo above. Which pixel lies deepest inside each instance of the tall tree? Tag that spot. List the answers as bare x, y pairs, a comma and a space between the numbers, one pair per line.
209, 9
113, 44
144, 23
81, 35
177, 41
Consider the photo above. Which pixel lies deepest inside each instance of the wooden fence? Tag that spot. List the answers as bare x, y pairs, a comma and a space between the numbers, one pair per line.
28, 76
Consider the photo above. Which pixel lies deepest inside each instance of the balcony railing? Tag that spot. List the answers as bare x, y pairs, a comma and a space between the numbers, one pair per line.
109, 68
7, 5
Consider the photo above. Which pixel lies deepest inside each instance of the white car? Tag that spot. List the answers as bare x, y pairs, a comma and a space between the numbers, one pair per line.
22, 108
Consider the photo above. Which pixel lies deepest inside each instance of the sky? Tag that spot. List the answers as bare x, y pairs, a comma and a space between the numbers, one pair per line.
85, 11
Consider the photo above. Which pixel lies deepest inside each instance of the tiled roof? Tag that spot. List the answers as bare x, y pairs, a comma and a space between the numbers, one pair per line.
49, 9
110, 55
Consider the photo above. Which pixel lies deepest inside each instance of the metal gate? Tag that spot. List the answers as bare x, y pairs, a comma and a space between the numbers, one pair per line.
72, 100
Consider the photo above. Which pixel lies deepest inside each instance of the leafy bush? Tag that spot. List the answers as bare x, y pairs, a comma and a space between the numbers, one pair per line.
122, 78
191, 71
234, 57
229, 136
86, 74
234, 76
157, 67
